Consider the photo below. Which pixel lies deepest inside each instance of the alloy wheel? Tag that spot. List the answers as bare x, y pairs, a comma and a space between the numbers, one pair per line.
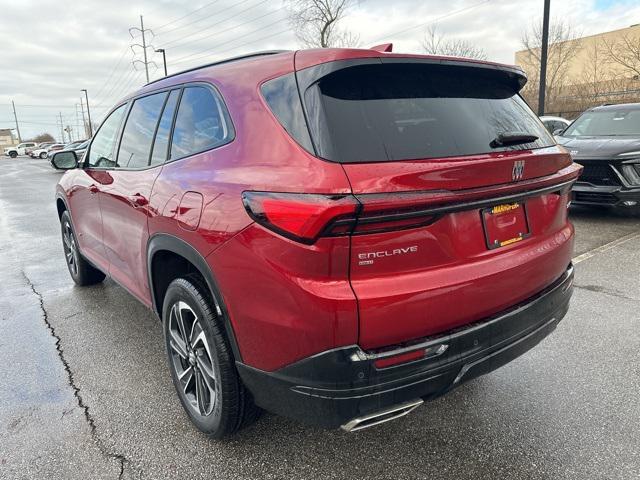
191, 359
70, 248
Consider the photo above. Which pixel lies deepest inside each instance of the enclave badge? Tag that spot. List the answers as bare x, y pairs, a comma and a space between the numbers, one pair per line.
518, 170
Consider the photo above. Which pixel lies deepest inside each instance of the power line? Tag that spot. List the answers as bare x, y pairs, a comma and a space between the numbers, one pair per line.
184, 16
43, 106
117, 85
197, 20
182, 59
238, 46
216, 23
113, 70
218, 32
450, 14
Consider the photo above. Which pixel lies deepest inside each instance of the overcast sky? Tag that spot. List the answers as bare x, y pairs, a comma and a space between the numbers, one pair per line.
51, 48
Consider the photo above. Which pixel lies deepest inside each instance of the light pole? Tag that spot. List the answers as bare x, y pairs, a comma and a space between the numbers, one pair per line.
86, 96
543, 57
164, 59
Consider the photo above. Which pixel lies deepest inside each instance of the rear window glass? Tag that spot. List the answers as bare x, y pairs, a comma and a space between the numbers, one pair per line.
618, 122
376, 113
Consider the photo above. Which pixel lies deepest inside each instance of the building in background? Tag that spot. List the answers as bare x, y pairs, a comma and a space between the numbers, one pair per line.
586, 71
7, 139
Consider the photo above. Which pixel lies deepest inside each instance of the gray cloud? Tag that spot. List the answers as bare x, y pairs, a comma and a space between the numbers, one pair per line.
52, 49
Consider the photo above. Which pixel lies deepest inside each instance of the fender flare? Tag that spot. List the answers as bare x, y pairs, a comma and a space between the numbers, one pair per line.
166, 242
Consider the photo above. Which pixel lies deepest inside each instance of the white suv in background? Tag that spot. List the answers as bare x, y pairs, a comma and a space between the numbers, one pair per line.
13, 152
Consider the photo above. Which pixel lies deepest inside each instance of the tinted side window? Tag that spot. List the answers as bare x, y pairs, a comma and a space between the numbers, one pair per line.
102, 153
284, 101
135, 147
161, 142
202, 123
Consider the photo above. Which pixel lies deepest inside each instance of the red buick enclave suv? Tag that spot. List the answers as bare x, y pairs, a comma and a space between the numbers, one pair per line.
332, 235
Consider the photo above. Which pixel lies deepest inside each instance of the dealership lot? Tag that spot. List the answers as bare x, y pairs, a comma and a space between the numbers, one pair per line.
85, 391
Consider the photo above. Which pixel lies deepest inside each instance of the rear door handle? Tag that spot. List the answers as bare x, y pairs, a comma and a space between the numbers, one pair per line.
138, 200
93, 188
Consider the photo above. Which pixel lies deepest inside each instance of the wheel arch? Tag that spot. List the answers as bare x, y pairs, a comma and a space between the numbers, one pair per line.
165, 243
61, 206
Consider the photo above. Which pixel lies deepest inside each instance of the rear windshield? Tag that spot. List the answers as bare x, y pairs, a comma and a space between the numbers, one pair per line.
383, 112
606, 123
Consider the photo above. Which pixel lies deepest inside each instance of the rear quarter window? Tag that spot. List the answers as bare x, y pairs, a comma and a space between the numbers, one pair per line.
202, 122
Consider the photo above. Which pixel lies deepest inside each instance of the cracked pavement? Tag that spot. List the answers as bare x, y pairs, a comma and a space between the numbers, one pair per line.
85, 392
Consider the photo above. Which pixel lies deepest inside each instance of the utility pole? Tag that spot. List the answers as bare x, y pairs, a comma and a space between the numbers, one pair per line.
543, 57
164, 59
144, 49
86, 96
15, 116
61, 127
144, 46
77, 121
84, 122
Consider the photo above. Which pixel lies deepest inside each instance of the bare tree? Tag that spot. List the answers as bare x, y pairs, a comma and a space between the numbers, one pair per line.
624, 52
316, 22
596, 81
564, 44
435, 43
43, 137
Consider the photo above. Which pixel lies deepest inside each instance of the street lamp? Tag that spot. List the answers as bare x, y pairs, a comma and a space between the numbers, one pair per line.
86, 96
164, 59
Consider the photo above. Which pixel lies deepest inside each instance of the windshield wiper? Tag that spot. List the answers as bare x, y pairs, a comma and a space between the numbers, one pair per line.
512, 138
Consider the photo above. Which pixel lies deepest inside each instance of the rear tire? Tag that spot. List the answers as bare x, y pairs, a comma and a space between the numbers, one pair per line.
81, 271
43, 155
201, 362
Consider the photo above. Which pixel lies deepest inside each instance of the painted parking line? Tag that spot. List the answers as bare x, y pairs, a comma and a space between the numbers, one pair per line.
605, 247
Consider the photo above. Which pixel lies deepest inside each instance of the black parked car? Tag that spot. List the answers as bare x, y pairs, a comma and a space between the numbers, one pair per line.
606, 141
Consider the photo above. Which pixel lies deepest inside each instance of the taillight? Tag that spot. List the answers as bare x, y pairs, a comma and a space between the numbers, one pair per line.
299, 216
306, 217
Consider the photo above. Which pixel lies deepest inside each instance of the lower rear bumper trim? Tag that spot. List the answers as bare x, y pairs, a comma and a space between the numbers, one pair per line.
332, 388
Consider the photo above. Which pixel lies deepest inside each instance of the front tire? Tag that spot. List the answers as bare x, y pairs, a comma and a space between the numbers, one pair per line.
201, 363
13, 154
81, 271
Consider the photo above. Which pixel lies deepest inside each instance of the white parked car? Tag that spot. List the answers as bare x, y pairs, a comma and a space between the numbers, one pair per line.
44, 152
20, 149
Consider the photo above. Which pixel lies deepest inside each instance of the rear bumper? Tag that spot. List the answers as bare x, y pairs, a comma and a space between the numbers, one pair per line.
333, 387
614, 196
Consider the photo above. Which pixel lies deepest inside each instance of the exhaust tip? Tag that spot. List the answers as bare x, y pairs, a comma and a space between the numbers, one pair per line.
383, 416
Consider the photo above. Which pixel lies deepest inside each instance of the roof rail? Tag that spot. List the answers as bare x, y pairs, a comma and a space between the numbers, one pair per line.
219, 62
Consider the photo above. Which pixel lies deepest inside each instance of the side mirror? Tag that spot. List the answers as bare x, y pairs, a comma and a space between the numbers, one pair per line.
558, 131
64, 160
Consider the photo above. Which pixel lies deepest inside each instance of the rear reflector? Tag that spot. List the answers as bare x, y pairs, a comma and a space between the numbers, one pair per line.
398, 359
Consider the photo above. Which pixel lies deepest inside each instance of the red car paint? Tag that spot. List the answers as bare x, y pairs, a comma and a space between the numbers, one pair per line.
288, 300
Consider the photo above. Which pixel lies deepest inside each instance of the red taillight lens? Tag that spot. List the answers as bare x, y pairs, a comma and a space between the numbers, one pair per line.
305, 217
395, 211
299, 216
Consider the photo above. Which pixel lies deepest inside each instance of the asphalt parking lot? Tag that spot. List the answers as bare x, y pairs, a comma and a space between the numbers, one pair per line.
85, 391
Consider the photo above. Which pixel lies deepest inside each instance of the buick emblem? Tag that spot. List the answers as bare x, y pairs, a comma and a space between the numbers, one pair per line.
518, 170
